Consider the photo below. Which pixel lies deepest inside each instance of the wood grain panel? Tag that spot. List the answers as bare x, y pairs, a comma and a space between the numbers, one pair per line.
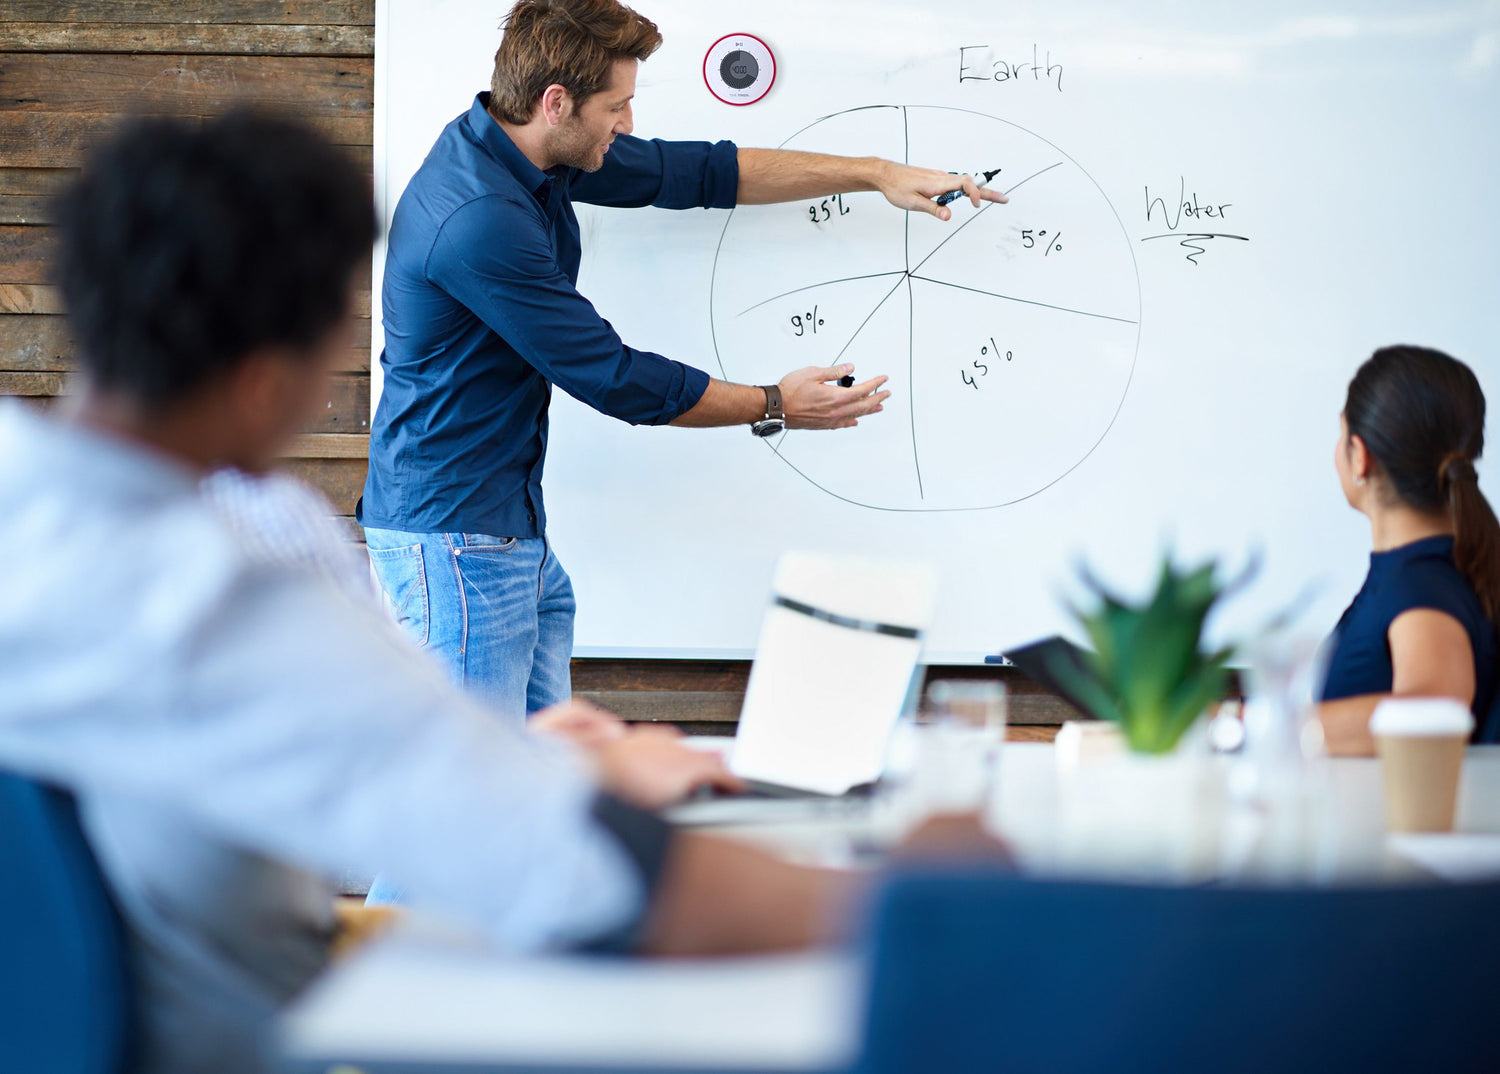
24, 254
29, 298
329, 446
35, 344
43, 342
21, 139
714, 690
700, 675
31, 209
42, 298
721, 711
61, 140
338, 87
24, 181
345, 408
341, 480
228, 40
1031, 709
319, 12
670, 706
1030, 734
357, 359
31, 384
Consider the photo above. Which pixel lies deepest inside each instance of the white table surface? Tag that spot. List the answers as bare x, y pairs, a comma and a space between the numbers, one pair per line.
431, 997
1028, 812
415, 999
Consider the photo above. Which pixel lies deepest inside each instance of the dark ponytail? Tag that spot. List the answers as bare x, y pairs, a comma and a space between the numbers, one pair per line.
1421, 416
1476, 543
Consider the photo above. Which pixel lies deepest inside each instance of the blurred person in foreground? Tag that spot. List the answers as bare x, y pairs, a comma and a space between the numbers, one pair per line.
236, 728
1423, 623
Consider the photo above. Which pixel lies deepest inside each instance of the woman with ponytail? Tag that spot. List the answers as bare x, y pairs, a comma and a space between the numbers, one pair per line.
1423, 624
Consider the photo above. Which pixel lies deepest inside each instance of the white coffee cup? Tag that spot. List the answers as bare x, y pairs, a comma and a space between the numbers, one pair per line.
1421, 742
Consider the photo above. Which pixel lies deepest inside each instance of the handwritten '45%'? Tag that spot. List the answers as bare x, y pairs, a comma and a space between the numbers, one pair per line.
991, 351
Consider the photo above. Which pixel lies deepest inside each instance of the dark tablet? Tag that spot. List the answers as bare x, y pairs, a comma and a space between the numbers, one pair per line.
1038, 659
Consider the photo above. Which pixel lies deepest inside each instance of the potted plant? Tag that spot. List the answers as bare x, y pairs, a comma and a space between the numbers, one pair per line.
1153, 811
1149, 672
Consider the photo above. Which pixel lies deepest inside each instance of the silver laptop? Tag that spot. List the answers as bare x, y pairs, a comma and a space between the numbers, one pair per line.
837, 663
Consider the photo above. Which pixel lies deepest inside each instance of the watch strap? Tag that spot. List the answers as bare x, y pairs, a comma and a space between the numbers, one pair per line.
773, 401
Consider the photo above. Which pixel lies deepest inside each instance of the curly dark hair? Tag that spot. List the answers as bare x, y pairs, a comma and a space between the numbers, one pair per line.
184, 246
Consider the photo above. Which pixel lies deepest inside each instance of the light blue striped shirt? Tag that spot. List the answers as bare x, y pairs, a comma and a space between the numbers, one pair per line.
157, 665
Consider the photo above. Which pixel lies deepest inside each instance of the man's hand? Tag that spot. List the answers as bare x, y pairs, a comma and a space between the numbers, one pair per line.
649, 768
584, 725
911, 188
811, 402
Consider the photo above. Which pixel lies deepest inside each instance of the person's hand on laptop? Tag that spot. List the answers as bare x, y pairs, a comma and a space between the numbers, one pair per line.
585, 725
650, 767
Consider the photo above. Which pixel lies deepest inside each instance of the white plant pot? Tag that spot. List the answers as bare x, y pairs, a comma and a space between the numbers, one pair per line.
1141, 817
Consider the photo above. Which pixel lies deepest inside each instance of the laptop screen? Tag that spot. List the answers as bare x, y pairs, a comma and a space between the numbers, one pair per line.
834, 669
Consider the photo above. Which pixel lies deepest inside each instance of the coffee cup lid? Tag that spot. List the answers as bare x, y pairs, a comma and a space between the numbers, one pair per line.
1421, 716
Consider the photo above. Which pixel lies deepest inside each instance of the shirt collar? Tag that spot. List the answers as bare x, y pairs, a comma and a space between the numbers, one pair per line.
498, 144
1440, 546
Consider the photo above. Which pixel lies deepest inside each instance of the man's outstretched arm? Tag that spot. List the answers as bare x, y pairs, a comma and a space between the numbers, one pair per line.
771, 175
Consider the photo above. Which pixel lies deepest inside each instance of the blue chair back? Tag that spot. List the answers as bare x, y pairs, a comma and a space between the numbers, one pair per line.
984, 972
64, 986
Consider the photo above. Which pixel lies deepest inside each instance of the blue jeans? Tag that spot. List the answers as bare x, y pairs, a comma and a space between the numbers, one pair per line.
497, 611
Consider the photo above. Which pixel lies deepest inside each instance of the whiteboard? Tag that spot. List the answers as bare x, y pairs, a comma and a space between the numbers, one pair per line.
1218, 211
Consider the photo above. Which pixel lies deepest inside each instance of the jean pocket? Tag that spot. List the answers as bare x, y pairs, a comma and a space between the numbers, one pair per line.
403, 578
485, 542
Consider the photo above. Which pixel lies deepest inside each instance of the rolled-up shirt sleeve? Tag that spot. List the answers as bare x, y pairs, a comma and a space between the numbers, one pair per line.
517, 288
668, 175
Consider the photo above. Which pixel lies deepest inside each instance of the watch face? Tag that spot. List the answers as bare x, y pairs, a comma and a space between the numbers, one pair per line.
767, 426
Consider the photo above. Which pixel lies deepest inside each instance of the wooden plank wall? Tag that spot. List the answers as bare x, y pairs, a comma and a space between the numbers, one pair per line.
705, 696
69, 71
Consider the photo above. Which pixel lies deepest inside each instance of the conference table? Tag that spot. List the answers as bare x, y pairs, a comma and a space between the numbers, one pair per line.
432, 997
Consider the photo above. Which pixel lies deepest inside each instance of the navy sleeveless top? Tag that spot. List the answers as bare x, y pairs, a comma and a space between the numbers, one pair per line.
1416, 575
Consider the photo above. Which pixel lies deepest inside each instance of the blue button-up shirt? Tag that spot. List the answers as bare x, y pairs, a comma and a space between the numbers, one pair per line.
483, 316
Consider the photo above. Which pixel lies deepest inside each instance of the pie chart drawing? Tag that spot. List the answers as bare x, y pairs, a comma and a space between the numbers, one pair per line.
1009, 333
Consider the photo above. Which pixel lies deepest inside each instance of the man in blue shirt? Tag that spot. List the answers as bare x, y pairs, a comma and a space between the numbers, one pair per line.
482, 317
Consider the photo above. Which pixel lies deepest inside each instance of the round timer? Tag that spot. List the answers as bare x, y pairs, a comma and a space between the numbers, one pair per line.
739, 69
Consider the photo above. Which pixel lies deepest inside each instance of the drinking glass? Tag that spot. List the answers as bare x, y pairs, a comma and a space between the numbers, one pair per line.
958, 748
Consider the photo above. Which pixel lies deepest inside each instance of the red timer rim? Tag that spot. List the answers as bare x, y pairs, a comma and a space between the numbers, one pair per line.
710, 85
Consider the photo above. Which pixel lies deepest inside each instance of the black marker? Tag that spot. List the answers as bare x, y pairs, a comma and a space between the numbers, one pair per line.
846, 381
954, 195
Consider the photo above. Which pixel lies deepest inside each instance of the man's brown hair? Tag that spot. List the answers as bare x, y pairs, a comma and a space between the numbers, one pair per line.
574, 43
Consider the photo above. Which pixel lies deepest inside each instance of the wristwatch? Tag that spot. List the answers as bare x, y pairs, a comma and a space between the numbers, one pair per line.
775, 419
